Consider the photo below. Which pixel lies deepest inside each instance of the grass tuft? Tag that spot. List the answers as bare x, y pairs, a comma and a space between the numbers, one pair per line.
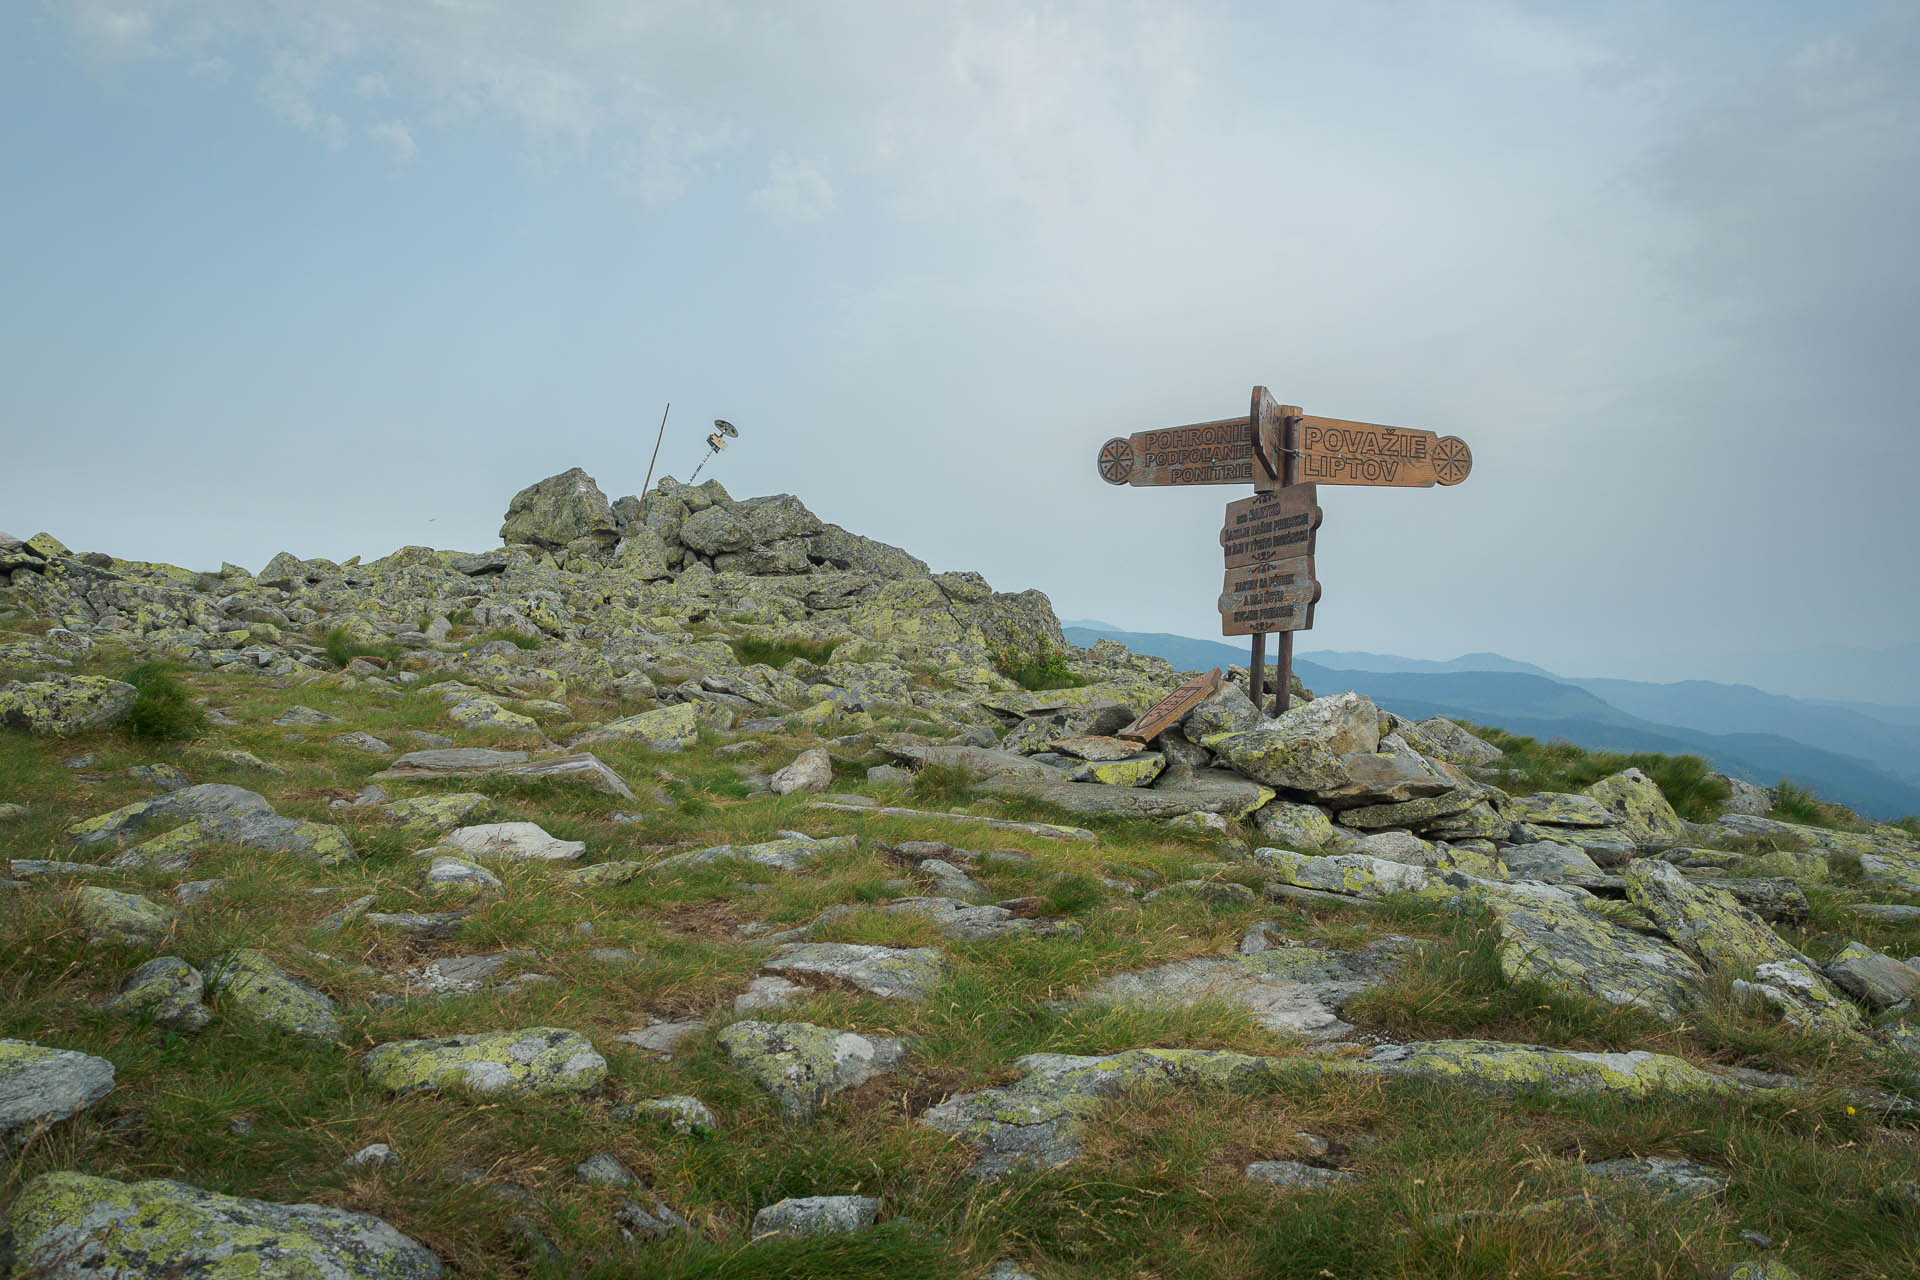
1043, 669
756, 651
1531, 765
164, 711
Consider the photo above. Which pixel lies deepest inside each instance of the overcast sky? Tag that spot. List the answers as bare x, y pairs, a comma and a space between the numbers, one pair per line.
338, 277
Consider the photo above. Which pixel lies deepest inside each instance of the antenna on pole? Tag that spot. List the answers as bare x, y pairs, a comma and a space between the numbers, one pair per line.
656, 450
716, 441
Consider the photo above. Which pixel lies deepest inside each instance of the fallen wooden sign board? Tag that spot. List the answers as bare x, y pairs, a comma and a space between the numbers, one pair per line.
1164, 714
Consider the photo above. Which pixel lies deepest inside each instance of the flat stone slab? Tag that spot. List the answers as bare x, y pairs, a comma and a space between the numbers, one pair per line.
1663, 1176
582, 767
802, 1065
514, 842
538, 1060
226, 815
789, 854
891, 973
1294, 1176
1038, 1120
1559, 809
1292, 990
41, 1086
1048, 829
72, 1225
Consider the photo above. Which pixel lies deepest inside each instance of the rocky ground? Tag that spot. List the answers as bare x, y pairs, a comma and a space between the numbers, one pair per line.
691, 888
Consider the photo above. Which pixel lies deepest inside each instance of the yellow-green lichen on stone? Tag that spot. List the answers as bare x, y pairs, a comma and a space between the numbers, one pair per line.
537, 1060
73, 1225
250, 986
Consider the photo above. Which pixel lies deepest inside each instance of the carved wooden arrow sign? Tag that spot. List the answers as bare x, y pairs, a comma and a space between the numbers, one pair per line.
1245, 451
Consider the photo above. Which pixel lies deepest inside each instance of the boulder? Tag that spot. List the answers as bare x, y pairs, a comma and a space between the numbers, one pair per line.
1640, 808
59, 705
1227, 709
167, 991
1569, 948
226, 815
560, 510
1268, 756
513, 842
1292, 990
674, 726
254, 989
888, 972
816, 1216
42, 1086
124, 919
1343, 723
1452, 742
1299, 827
537, 1061
1734, 942
71, 1225
803, 1065
811, 771
1878, 979
1559, 809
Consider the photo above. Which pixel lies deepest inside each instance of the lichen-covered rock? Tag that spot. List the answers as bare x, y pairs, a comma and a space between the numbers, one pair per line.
513, 842
1292, 990
817, 1216
1514, 1068
892, 973
678, 724
227, 815
1413, 814
254, 989
124, 919
790, 853
1880, 980
70, 1225
1640, 808
1299, 827
61, 704
1736, 943
166, 990
428, 816
802, 1065
1227, 709
1294, 1176
681, 1113
1560, 809
538, 1060
1268, 756
811, 770
1662, 1176
1343, 723
488, 713
559, 510
1134, 771
41, 1086
1452, 742
451, 875
1572, 949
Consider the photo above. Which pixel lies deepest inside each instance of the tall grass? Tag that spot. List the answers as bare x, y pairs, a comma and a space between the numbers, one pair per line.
164, 711
1531, 765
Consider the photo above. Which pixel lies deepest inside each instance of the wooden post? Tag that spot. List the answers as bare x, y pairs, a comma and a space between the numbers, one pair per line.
1283, 650
1258, 669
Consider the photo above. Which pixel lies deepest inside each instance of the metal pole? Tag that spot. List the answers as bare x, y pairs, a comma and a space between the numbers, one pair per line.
1258, 670
656, 450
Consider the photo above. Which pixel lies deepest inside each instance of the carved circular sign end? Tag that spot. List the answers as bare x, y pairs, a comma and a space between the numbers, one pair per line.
1452, 460
1116, 460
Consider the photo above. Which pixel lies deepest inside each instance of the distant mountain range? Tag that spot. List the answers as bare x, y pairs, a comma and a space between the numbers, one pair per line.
1858, 753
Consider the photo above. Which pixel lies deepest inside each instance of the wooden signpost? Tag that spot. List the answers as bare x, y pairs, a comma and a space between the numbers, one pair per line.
1268, 539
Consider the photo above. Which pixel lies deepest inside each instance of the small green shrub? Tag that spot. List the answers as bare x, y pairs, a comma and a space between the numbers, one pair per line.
164, 711
1909, 824
1043, 669
1531, 765
752, 650
1795, 803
